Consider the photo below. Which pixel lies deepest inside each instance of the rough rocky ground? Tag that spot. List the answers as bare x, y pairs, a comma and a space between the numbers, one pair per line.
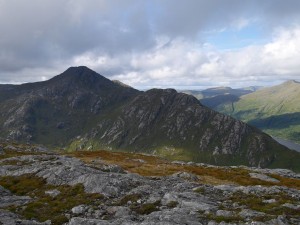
42, 187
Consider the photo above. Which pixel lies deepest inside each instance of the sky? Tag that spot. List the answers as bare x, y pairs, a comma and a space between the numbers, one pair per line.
183, 44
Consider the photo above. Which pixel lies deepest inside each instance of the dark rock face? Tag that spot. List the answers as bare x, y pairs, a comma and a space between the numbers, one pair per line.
176, 119
105, 114
56, 110
165, 119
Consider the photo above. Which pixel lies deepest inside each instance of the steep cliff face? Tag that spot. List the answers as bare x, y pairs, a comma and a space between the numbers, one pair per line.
177, 126
80, 109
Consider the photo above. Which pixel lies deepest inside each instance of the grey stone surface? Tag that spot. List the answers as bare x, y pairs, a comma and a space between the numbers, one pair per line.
8, 199
269, 201
175, 195
249, 213
186, 176
9, 218
53, 193
292, 206
224, 213
263, 177
80, 209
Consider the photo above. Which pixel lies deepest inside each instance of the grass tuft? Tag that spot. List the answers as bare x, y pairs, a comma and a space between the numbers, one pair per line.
146, 208
155, 166
44, 207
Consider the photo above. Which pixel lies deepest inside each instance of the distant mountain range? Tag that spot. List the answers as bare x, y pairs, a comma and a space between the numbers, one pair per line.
221, 91
275, 110
82, 110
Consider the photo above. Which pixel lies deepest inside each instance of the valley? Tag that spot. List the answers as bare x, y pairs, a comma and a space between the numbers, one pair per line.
275, 110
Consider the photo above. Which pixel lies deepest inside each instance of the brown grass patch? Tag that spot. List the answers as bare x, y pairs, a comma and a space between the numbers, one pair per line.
155, 166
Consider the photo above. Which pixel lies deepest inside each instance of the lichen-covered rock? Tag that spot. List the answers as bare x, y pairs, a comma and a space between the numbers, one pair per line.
80, 209
53, 193
8, 199
249, 213
130, 199
263, 177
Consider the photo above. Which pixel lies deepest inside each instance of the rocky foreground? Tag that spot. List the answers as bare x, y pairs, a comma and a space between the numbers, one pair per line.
42, 187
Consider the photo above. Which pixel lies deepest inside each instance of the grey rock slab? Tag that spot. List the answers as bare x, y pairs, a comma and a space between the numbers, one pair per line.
112, 168
280, 220
169, 197
263, 177
139, 160
41, 149
176, 216
281, 172
6, 201
226, 187
249, 213
62, 170
269, 201
9, 218
186, 176
196, 206
32, 222
84, 221
271, 190
121, 211
224, 213
80, 209
53, 193
10, 147
291, 206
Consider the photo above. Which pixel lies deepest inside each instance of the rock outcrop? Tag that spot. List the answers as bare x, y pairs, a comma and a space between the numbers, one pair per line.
126, 198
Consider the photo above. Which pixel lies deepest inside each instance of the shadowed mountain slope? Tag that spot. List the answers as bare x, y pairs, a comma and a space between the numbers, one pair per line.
80, 109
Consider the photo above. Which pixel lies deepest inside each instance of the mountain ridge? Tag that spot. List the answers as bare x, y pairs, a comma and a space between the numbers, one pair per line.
80, 109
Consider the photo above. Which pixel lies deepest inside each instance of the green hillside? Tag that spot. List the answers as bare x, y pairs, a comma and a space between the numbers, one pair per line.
275, 110
219, 91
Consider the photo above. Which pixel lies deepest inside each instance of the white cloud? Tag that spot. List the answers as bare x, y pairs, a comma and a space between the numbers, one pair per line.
148, 43
182, 63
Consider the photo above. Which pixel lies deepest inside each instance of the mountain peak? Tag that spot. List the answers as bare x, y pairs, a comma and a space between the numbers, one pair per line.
82, 75
78, 69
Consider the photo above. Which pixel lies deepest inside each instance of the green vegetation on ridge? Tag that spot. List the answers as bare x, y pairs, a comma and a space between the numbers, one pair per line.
275, 110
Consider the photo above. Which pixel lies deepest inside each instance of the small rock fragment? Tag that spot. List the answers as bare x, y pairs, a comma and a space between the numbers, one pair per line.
53, 193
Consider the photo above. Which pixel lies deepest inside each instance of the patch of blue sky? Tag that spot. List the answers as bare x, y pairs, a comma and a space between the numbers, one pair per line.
232, 38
